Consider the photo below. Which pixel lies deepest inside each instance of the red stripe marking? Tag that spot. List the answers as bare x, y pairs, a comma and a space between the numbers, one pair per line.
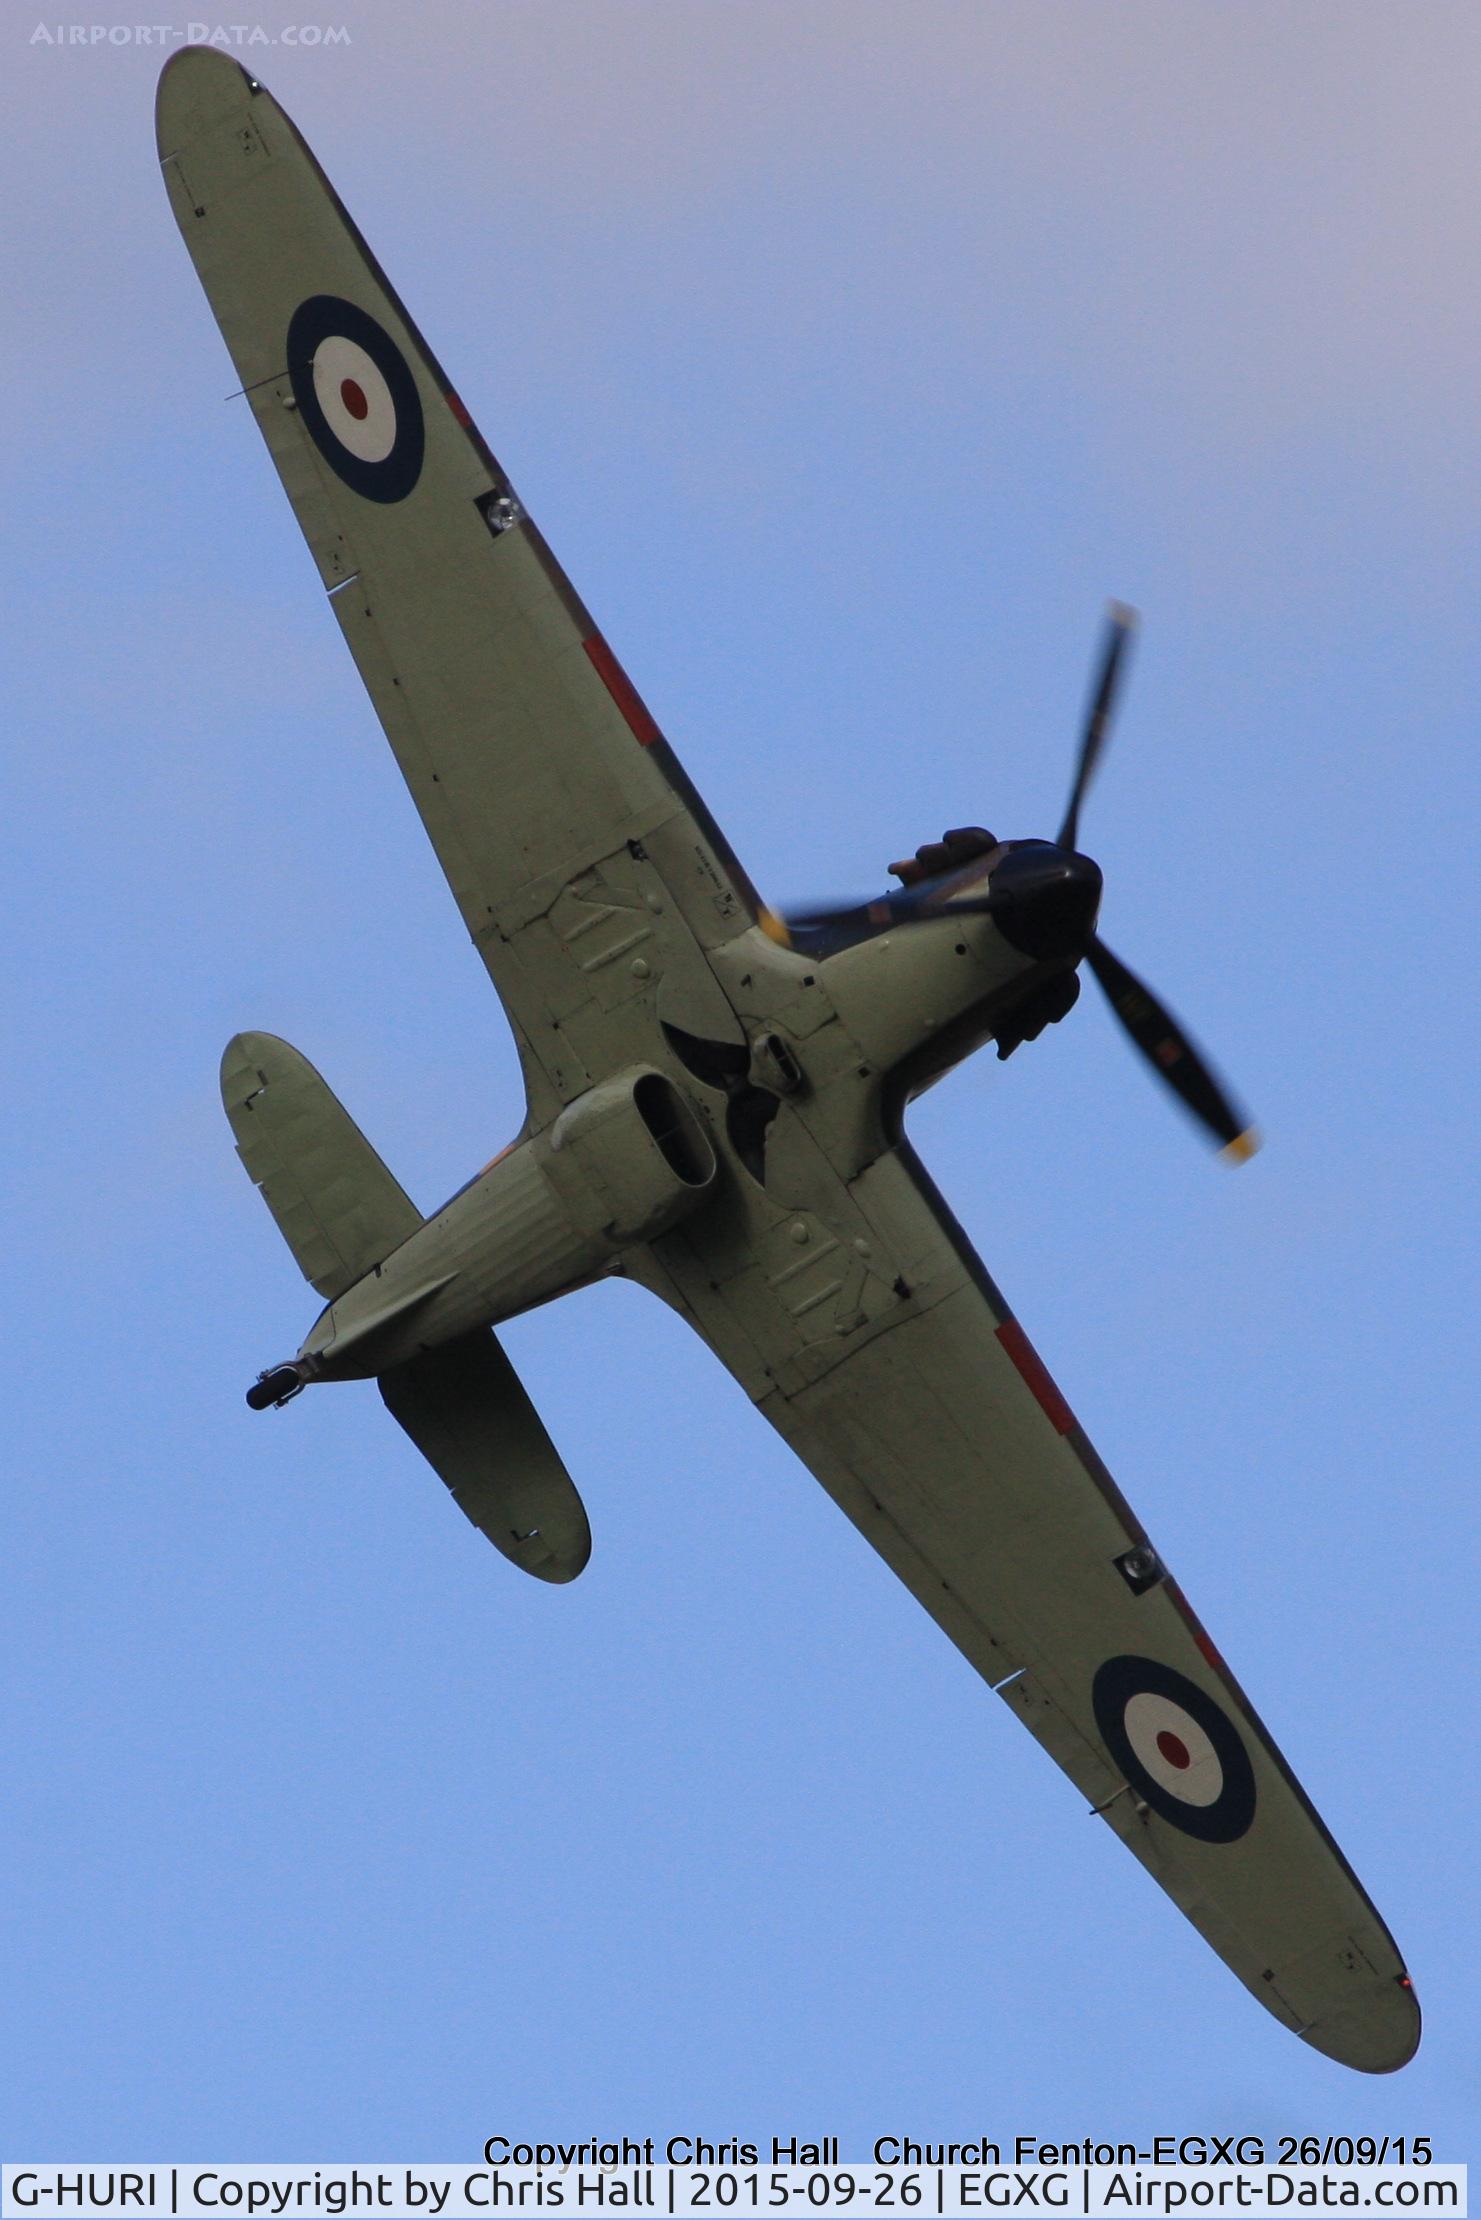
460, 412
1201, 1640
622, 690
1037, 1375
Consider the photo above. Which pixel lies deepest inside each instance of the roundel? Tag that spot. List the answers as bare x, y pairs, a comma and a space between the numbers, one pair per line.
1176, 1748
356, 396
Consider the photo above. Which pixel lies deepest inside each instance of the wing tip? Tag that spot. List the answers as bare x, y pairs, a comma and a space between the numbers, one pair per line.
195, 78
1377, 2036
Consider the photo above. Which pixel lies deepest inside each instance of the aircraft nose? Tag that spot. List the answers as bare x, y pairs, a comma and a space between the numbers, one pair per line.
1045, 899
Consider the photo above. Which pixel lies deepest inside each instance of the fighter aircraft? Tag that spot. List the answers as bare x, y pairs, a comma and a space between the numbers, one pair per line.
715, 1104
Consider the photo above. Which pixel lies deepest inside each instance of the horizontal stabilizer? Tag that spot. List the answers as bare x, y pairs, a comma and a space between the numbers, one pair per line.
336, 1205
465, 1409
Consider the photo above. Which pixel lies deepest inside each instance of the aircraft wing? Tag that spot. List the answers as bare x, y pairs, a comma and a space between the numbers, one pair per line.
874, 1341
539, 774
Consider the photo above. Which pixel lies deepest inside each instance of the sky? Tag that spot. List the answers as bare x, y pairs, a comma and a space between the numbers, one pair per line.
850, 356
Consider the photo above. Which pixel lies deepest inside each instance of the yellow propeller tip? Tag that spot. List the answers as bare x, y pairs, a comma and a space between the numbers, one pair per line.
1242, 1147
1122, 613
774, 927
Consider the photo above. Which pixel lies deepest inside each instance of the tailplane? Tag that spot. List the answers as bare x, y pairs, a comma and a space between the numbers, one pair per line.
334, 1202
465, 1409
342, 1213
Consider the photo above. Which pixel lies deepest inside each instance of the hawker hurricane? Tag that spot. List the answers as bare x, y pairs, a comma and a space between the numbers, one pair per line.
715, 1103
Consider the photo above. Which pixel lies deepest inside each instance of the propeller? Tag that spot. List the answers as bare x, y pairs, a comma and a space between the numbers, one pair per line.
1156, 1033
1043, 897
1121, 623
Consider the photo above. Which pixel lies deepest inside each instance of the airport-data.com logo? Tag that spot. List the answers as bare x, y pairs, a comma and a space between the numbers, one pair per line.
233, 36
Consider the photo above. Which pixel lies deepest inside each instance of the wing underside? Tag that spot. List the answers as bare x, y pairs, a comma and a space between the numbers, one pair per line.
934, 1425
539, 774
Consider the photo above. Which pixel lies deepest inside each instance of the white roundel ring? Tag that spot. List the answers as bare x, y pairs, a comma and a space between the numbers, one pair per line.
1174, 1748
1178, 1750
356, 396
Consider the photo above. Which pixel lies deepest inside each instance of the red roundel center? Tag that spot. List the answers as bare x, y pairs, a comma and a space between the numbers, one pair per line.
1173, 1748
354, 399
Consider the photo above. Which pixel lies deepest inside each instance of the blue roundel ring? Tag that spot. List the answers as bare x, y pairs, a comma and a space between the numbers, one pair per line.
1176, 1749
391, 412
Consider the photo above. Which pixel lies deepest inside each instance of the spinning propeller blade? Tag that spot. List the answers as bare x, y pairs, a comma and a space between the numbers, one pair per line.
1155, 1032
1121, 623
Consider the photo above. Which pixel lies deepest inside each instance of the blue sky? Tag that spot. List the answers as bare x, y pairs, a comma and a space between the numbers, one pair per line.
850, 357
